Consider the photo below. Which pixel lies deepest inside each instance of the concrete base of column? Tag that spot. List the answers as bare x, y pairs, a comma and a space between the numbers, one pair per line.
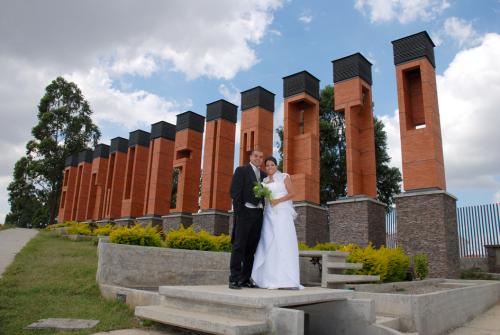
213, 221
104, 222
357, 220
311, 223
150, 221
427, 223
125, 222
175, 220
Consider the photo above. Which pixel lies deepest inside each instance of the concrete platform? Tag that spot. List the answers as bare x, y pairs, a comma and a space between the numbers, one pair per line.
258, 298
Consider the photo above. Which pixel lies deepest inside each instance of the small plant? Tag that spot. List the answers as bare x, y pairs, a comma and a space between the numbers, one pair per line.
421, 266
188, 238
475, 273
136, 235
60, 225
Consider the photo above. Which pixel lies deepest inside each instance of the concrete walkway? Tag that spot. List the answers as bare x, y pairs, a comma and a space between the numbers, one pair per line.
11, 242
487, 323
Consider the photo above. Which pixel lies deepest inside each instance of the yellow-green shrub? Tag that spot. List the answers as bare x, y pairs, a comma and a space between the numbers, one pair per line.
104, 230
421, 265
188, 238
390, 264
60, 225
136, 235
78, 229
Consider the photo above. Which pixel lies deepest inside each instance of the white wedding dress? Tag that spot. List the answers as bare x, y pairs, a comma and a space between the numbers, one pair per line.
276, 262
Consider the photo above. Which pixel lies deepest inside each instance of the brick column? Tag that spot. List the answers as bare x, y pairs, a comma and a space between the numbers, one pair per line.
95, 202
301, 153
426, 220
68, 188
257, 108
115, 179
135, 177
82, 186
159, 177
359, 218
187, 159
218, 163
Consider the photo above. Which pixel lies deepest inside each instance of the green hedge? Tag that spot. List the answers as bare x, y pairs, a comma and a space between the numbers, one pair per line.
188, 238
136, 235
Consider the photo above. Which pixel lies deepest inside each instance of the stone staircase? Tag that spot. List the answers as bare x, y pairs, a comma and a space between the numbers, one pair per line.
332, 265
219, 310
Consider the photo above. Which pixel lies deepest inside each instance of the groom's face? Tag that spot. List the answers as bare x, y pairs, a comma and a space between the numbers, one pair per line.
256, 158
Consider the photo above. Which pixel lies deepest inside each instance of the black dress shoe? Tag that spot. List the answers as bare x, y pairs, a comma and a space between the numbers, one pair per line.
234, 285
250, 284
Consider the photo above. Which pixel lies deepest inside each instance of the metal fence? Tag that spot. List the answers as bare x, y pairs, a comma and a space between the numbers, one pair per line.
477, 226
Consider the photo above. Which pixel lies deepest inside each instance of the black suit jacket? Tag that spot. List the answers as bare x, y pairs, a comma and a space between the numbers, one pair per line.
242, 184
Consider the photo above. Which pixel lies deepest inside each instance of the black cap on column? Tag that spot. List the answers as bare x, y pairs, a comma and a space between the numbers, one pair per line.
139, 137
301, 82
257, 97
119, 144
101, 151
222, 109
352, 66
413, 47
85, 156
71, 160
190, 120
163, 129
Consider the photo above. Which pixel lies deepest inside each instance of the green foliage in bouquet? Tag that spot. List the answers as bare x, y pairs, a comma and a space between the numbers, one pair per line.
262, 192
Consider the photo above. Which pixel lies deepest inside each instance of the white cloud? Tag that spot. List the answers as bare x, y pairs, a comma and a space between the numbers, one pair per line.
496, 197
231, 94
306, 19
405, 11
461, 31
130, 109
468, 105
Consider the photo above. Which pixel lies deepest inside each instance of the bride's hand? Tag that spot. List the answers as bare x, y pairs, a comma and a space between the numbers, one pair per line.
274, 202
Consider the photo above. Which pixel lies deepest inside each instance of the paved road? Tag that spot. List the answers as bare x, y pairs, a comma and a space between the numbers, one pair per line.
11, 242
487, 323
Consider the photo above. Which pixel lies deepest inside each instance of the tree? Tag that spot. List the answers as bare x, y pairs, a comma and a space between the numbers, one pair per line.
64, 127
27, 204
333, 171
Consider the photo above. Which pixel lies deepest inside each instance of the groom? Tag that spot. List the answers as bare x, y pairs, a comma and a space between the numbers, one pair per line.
248, 215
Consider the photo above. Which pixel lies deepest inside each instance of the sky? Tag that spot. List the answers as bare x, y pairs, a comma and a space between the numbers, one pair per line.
139, 62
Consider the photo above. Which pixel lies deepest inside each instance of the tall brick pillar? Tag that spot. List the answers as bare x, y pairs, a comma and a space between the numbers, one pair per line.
68, 188
426, 213
218, 162
359, 218
95, 202
135, 177
301, 154
187, 160
82, 186
159, 177
115, 179
257, 108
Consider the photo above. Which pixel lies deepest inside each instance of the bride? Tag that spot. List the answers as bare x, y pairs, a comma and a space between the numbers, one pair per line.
276, 264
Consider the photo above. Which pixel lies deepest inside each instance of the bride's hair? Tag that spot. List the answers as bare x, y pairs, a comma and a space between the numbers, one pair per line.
272, 159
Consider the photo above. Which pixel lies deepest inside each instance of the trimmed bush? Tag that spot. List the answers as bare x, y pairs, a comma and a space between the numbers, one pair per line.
421, 265
188, 238
390, 264
78, 229
104, 230
136, 235
60, 225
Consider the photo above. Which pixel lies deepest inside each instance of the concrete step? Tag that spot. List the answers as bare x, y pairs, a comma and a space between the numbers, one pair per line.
388, 321
199, 321
344, 266
338, 278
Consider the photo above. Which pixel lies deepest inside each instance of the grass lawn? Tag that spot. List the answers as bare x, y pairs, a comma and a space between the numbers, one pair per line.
55, 278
